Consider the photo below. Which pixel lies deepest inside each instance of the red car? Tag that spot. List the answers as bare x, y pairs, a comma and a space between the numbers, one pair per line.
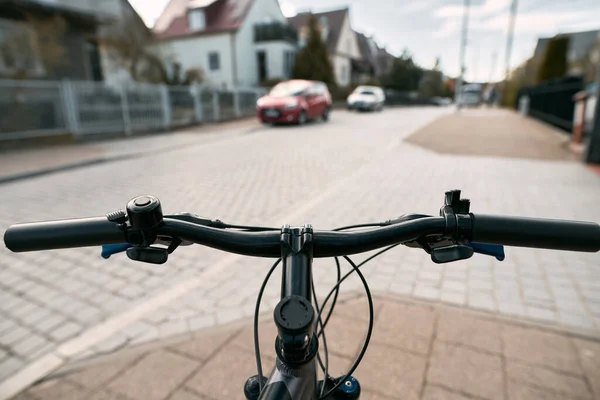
295, 101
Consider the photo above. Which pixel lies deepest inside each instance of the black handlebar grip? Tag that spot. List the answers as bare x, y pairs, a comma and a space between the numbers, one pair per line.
62, 234
535, 232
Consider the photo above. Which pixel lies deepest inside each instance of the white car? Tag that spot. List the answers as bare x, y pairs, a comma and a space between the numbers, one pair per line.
366, 98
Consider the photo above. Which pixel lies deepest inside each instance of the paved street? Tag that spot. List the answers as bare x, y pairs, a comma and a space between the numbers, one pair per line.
356, 168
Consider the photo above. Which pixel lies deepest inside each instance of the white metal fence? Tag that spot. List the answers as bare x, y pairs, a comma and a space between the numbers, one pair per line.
41, 108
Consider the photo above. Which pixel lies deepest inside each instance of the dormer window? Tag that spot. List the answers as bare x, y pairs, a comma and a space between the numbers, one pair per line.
197, 20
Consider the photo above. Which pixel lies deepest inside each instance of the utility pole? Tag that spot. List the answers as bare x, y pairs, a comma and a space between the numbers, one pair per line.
509, 41
493, 66
475, 64
463, 48
511, 34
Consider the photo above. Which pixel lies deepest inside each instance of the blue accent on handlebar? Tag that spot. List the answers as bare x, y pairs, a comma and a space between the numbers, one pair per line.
494, 250
110, 249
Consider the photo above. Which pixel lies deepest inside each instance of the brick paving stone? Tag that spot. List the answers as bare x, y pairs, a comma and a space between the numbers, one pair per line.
404, 372
9, 366
50, 321
540, 348
98, 376
541, 314
460, 368
482, 301
577, 321
518, 391
515, 309
170, 328
345, 336
451, 297
14, 335
437, 393
211, 380
589, 355
549, 380
154, 376
56, 389
29, 344
460, 327
454, 285
65, 331
184, 394
202, 347
426, 292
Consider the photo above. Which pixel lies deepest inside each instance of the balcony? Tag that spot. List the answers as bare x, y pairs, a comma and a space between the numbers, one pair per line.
275, 31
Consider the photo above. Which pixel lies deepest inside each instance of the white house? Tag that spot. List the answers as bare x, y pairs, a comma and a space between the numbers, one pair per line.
237, 43
341, 41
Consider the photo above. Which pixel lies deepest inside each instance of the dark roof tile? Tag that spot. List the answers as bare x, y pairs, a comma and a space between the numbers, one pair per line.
221, 16
335, 22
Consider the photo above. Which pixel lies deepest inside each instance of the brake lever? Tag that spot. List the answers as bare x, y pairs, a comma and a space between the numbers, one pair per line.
494, 250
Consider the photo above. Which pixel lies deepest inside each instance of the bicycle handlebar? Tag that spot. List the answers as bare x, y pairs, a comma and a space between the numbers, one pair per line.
511, 231
535, 232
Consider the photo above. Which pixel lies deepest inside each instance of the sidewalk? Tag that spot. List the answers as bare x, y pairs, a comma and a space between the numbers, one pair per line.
417, 351
495, 132
25, 163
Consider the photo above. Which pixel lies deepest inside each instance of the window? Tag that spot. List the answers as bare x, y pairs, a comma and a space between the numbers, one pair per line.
343, 74
93, 53
18, 53
323, 20
261, 59
197, 20
214, 61
288, 63
348, 46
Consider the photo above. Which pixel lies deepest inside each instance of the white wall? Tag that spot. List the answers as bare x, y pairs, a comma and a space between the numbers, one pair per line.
247, 65
193, 53
341, 69
347, 44
347, 48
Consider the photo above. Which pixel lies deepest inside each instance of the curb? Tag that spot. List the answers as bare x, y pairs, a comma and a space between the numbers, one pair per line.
93, 161
51, 170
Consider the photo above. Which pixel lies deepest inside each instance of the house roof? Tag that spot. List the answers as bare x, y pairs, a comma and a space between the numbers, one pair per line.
221, 16
579, 43
335, 22
81, 14
363, 46
377, 56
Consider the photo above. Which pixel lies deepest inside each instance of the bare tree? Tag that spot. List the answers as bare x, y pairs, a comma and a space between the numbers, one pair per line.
36, 44
131, 46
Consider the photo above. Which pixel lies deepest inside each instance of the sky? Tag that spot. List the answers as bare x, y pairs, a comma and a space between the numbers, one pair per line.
432, 28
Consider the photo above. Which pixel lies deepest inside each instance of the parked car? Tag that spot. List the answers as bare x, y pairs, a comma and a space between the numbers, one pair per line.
295, 101
441, 101
366, 98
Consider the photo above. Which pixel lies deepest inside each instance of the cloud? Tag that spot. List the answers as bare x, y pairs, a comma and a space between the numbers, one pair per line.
453, 15
540, 22
287, 9
487, 8
417, 6
448, 28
